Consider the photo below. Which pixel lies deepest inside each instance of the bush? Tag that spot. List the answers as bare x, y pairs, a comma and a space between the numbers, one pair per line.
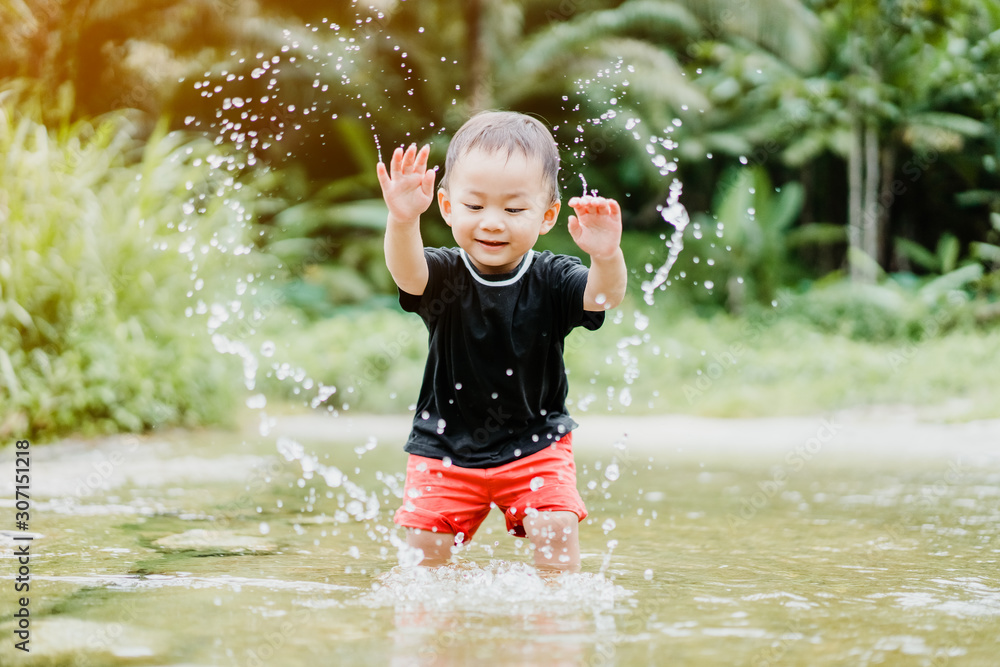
885, 312
105, 244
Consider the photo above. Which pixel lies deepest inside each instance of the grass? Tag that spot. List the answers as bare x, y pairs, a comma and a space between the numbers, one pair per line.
728, 367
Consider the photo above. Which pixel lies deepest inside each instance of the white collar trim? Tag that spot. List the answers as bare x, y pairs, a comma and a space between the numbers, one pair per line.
498, 283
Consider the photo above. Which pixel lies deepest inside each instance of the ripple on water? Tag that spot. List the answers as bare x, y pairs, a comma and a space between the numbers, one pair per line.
497, 588
963, 597
189, 581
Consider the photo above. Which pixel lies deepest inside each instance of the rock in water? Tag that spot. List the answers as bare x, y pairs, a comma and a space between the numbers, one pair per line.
224, 542
62, 640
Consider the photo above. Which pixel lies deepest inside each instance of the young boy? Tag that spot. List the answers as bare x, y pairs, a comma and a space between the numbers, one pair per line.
491, 426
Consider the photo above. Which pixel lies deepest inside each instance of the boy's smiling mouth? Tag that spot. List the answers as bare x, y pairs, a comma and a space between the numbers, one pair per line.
491, 244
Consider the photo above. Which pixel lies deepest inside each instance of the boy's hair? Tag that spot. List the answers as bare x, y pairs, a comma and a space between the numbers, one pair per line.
506, 132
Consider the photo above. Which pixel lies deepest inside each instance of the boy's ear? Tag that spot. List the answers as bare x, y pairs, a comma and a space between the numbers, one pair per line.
550, 218
444, 203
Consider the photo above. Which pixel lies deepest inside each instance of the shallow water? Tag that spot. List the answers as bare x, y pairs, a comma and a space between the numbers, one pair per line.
692, 555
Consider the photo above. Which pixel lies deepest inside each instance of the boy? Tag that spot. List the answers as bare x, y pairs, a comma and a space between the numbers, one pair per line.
491, 427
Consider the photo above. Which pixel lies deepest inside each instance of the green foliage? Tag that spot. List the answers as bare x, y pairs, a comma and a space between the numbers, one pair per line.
105, 242
947, 271
328, 239
740, 253
896, 310
93, 286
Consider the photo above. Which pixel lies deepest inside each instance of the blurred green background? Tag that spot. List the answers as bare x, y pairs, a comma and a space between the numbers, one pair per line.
189, 213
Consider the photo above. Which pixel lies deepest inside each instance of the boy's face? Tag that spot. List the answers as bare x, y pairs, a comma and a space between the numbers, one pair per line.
497, 207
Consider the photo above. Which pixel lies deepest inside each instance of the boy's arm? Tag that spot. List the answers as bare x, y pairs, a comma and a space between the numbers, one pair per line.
408, 190
597, 229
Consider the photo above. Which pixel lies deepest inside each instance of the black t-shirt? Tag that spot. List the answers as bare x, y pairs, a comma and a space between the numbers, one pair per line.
495, 386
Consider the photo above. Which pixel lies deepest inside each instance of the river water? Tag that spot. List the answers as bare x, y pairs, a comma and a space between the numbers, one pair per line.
780, 542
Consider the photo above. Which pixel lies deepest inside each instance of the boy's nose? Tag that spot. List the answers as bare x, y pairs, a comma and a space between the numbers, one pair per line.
492, 222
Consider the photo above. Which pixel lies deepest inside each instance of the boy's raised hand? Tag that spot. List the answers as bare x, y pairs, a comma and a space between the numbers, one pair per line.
407, 185
597, 225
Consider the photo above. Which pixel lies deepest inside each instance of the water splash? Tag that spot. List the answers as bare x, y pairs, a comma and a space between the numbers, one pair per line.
378, 146
500, 587
675, 214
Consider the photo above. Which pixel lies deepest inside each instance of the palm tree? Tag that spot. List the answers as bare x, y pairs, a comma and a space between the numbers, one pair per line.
846, 85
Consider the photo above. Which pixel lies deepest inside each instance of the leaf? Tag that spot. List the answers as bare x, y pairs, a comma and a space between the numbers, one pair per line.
951, 281
918, 254
567, 37
806, 148
361, 146
951, 122
985, 252
727, 142
292, 251
978, 198
817, 233
367, 213
947, 252
787, 206
860, 259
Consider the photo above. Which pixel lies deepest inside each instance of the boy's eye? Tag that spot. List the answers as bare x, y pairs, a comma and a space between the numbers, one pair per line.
515, 211
474, 207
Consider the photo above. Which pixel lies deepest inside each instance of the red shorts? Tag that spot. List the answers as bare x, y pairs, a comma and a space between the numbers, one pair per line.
451, 499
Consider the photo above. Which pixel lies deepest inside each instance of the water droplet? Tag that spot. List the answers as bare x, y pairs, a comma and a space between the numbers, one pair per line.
611, 473
257, 402
537, 483
290, 449
409, 556
608, 525
333, 476
264, 528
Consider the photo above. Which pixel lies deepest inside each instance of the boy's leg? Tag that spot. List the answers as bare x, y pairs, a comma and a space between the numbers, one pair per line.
540, 501
436, 546
441, 503
556, 538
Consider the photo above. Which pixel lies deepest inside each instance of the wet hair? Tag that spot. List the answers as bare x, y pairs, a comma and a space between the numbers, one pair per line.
506, 132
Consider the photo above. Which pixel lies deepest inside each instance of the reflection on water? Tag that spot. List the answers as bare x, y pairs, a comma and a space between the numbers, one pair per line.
701, 557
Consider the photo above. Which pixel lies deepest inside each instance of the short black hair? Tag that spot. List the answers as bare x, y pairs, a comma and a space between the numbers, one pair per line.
506, 131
